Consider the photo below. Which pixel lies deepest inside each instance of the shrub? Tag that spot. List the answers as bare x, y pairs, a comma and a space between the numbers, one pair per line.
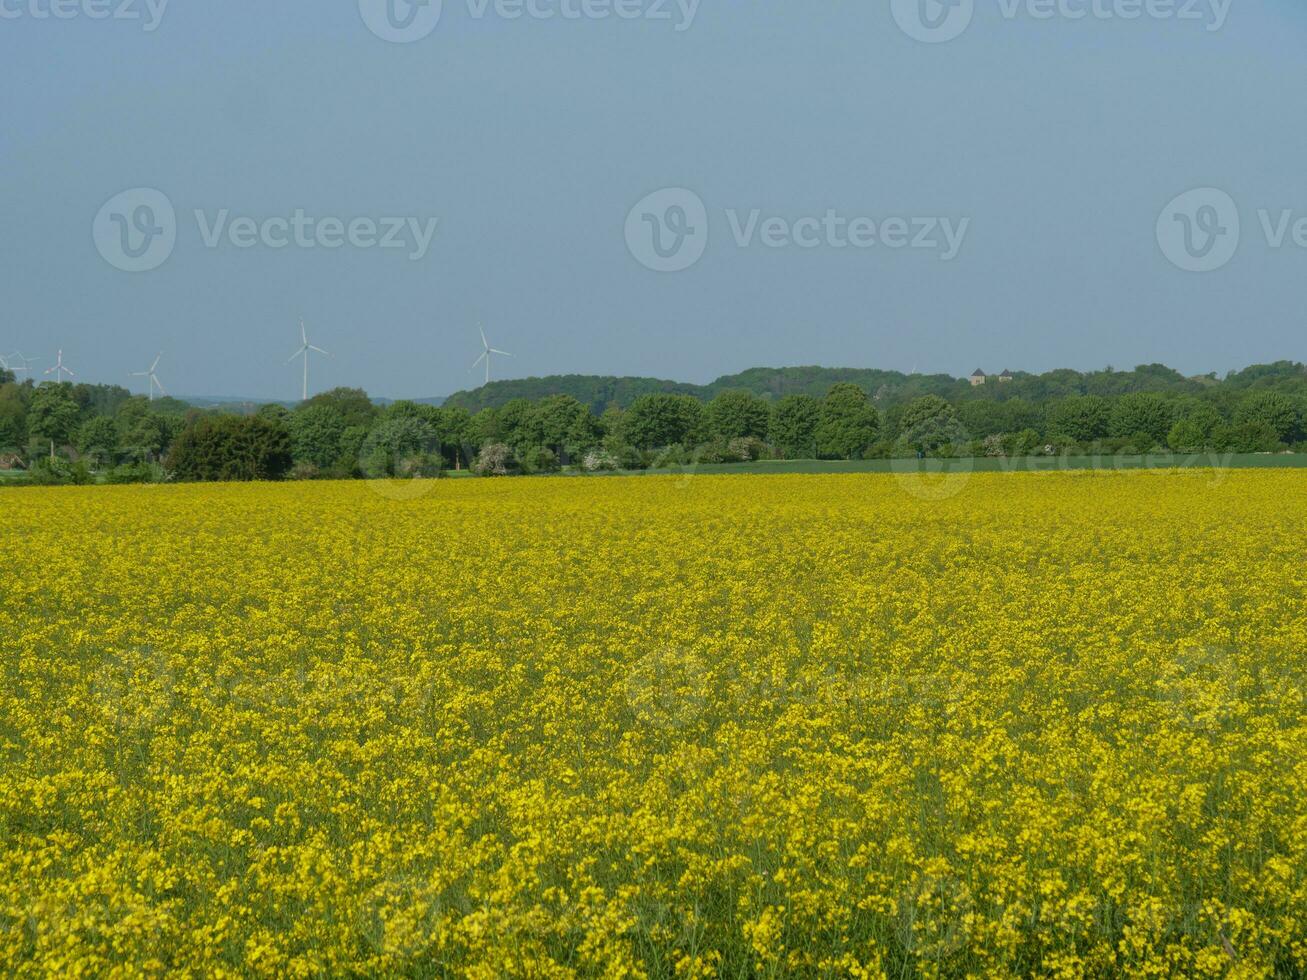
495, 459
749, 449
1247, 437
541, 459
55, 471
231, 447
135, 473
599, 461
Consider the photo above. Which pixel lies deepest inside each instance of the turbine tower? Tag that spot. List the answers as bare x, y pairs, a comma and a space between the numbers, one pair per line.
18, 357
305, 349
154, 379
59, 370
486, 352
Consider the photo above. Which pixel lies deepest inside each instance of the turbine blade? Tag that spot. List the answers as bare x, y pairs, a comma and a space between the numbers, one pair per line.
484, 342
495, 350
304, 334
320, 350
484, 355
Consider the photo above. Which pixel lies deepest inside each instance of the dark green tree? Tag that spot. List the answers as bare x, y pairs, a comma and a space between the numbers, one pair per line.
848, 425
352, 404
401, 445
1277, 410
794, 426
739, 415
316, 432
231, 447
656, 421
930, 425
1144, 417
1080, 418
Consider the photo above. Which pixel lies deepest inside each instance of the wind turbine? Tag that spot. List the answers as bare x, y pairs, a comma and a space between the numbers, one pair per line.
59, 370
154, 380
305, 348
486, 353
17, 356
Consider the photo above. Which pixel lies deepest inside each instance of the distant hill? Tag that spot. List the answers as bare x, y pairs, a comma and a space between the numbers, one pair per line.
885, 387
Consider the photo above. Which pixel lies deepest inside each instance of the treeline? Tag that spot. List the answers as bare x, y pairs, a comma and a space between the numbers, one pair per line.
78, 433
886, 388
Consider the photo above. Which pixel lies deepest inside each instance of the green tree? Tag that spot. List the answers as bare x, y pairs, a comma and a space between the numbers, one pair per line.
848, 424
98, 439
53, 415
352, 404
656, 421
1142, 417
930, 425
316, 432
451, 428
564, 426
401, 445
1080, 418
231, 447
145, 436
13, 417
1186, 436
739, 415
1246, 437
794, 426
274, 412
481, 430
1277, 410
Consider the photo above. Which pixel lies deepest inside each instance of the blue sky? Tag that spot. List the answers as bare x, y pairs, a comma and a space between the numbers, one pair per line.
1054, 141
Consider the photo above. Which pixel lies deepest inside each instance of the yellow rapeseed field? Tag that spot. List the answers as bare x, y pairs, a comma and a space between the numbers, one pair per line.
1053, 725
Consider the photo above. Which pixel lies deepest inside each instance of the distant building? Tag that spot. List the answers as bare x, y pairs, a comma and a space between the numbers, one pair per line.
978, 378
1005, 377
11, 461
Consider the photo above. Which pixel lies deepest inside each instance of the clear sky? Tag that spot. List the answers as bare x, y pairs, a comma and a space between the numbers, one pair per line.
1051, 136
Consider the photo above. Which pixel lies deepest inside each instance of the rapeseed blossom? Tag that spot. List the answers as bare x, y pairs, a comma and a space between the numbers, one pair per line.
722, 726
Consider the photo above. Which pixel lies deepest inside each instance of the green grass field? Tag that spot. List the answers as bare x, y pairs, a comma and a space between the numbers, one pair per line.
1030, 464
